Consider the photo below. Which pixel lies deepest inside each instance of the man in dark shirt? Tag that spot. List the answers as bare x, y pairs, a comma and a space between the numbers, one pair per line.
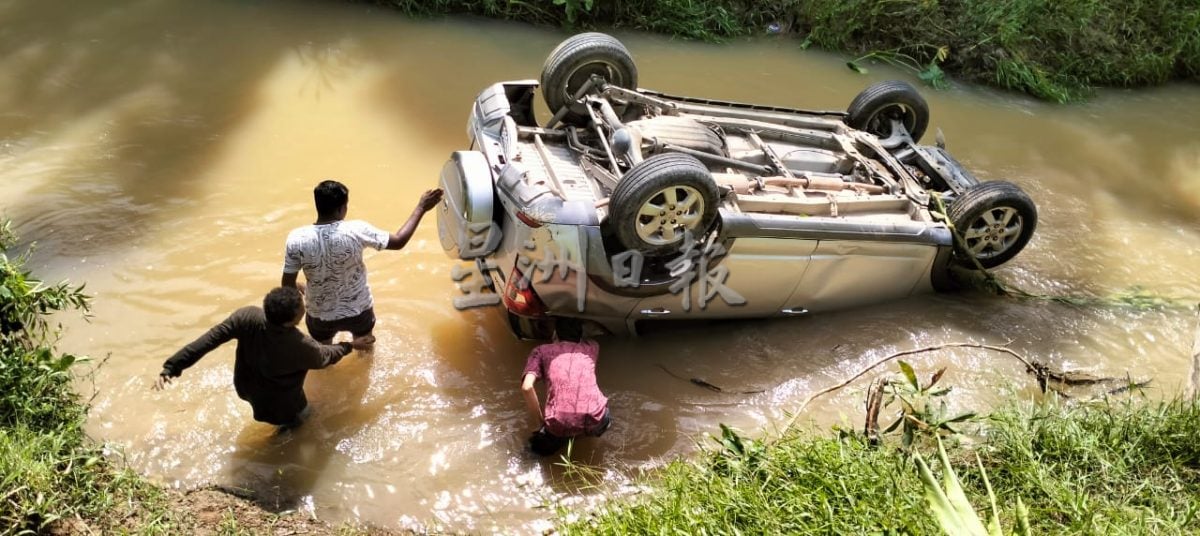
272, 356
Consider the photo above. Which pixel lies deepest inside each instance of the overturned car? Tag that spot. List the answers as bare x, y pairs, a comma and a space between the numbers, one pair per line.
630, 206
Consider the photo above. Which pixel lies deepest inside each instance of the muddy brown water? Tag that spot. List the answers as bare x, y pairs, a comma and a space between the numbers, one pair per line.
160, 151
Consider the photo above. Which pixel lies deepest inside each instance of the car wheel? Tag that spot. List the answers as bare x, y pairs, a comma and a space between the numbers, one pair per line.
995, 220
573, 62
874, 108
659, 200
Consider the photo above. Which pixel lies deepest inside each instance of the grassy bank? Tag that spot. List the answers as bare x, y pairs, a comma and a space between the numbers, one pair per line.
1128, 467
51, 475
1053, 49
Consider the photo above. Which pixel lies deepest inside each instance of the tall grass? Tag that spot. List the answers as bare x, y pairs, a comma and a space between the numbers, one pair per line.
693, 19
1130, 468
1100, 469
1053, 49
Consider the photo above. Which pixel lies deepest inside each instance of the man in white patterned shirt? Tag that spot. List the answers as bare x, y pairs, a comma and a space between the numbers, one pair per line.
329, 252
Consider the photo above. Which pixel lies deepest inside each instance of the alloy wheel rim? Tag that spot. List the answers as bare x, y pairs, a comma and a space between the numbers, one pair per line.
668, 214
994, 232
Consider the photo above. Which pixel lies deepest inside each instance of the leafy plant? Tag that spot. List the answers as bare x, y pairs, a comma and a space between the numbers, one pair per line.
931, 72
25, 301
574, 7
738, 455
923, 409
951, 508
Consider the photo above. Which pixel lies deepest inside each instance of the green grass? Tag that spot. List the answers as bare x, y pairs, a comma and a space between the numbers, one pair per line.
54, 475
1129, 468
1056, 50
51, 474
1125, 468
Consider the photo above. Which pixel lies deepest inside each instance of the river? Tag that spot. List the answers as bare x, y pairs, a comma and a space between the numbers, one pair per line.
161, 150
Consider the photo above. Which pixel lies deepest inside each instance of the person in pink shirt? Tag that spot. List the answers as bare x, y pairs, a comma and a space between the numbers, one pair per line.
574, 404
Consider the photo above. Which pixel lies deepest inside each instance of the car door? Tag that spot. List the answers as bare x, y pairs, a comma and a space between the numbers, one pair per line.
754, 278
848, 273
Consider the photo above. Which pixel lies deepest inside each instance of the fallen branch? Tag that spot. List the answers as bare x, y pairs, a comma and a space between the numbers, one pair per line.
701, 383
1132, 385
1042, 372
874, 403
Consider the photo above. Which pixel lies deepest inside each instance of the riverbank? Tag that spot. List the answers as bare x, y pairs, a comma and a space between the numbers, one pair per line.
53, 478
1108, 467
1057, 51
1082, 468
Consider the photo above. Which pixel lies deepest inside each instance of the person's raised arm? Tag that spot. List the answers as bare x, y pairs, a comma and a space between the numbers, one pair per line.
401, 237
531, 397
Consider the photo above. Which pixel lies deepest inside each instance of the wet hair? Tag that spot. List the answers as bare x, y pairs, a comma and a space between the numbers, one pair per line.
330, 196
282, 305
568, 329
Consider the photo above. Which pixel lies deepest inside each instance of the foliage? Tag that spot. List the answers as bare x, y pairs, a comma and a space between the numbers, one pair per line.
1086, 469
1053, 49
795, 485
931, 73
34, 381
1109, 467
53, 475
49, 472
920, 413
693, 19
25, 301
951, 508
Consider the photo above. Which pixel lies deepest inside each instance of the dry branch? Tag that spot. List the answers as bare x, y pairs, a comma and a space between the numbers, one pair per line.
1042, 372
874, 402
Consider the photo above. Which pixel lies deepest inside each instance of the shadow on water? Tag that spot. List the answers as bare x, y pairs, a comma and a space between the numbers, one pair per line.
281, 469
119, 110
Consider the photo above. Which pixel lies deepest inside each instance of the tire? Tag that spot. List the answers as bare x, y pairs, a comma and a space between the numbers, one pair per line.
995, 219
573, 62
663, 183
873, 109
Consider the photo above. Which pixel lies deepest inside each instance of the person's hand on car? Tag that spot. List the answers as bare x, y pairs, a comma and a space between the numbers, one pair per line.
430, 199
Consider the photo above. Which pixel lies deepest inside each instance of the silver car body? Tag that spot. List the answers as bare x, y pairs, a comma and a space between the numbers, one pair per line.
521, 194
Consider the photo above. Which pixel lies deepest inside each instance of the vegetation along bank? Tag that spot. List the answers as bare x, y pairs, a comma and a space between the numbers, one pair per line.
1083, 468
1080, 468
56, 480
1129, 467
1056, 50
